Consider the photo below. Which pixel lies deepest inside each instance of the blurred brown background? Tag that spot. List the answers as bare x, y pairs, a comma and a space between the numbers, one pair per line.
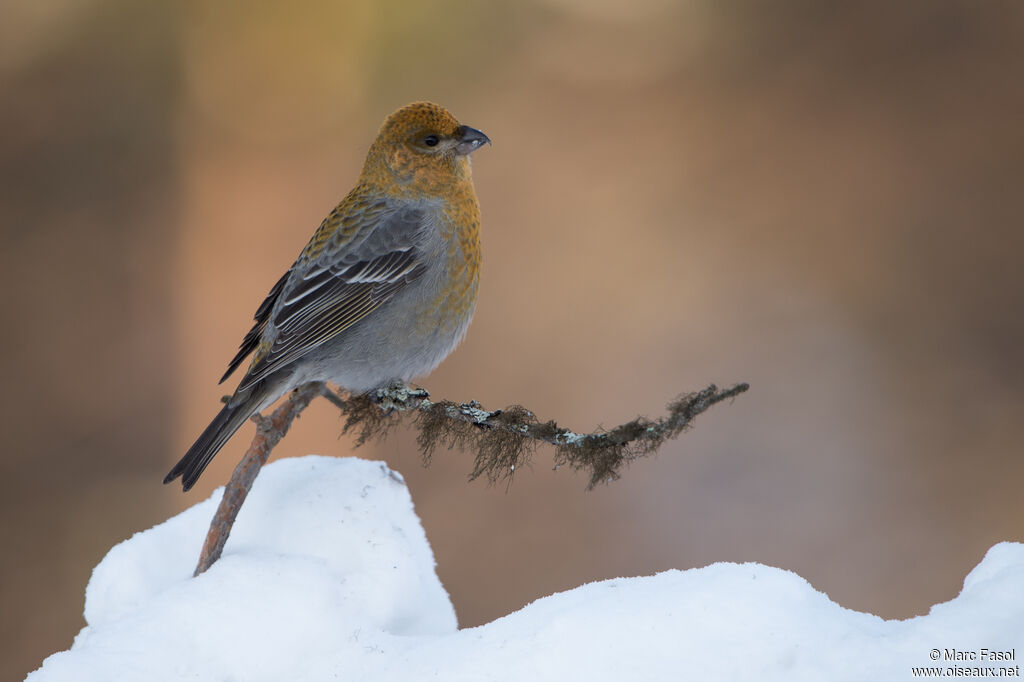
821, 198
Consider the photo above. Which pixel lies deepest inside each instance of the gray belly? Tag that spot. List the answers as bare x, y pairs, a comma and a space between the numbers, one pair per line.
405, 338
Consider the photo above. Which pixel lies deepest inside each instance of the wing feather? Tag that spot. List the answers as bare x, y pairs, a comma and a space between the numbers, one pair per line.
252, 338
318, 300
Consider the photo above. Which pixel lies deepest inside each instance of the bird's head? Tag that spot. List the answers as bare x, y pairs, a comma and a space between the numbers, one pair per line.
422, 149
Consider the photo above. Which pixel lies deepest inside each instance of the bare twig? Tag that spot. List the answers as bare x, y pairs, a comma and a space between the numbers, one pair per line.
269, 431
504, 439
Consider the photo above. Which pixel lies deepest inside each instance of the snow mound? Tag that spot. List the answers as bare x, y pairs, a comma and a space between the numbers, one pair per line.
328, 575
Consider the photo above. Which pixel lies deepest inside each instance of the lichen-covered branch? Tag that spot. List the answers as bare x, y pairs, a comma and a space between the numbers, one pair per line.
504, 440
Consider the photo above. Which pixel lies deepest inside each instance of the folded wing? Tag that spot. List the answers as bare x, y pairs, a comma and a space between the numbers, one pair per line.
319, 299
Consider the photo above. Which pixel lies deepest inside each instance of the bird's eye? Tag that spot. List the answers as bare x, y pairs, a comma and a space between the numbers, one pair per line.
431, 140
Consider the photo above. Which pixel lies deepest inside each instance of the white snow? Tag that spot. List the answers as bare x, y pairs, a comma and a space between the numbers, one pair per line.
328, 576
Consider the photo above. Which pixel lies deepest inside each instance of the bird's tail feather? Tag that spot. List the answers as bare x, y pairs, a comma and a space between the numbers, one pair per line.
209, 443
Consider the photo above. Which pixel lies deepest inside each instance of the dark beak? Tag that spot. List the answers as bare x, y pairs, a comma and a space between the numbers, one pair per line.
469, 140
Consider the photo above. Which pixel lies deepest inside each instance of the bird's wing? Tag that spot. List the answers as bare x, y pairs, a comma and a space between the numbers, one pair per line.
252, 339
358, 268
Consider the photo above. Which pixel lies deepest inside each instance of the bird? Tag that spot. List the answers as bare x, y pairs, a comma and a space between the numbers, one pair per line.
384, 290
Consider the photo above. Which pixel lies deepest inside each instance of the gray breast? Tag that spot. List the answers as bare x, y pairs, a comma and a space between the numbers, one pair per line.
406, 337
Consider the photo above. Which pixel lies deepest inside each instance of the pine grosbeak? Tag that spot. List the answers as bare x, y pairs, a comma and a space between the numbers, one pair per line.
383, 291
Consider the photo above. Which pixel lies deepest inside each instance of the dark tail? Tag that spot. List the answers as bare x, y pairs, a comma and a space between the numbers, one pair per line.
223, 426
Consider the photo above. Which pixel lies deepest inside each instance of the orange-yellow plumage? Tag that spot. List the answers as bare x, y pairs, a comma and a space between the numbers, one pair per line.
384, 289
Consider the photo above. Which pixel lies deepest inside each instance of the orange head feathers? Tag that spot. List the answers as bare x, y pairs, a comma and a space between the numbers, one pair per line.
421, 149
